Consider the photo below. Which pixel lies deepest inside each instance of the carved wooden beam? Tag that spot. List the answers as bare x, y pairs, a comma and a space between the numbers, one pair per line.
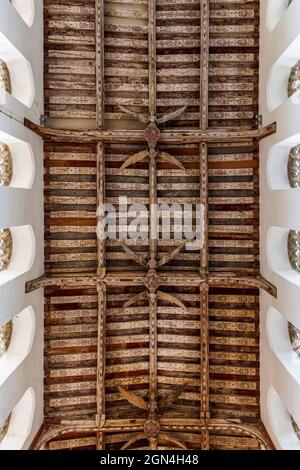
101, 355
204, 201
137, 136
256, 282
167, 424
153, 349
245, 430
204, 363
138, 279
61, 431
99, 20
204, 63
152, 56
100, 445
63, 281
100, 202
152, 205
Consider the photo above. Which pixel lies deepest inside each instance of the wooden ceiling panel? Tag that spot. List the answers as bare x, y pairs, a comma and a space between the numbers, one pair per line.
70, 208
71, 329
233, 195
233, 63
127, 351
234, 354
125, 61
178, 60
70, 59
150, 345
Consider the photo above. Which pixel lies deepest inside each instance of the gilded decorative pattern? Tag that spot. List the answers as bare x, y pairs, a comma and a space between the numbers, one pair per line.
294, 167
294, 249
294, 338
5, 83
294, 80
5, 336
5, 248
4, 429
5, 165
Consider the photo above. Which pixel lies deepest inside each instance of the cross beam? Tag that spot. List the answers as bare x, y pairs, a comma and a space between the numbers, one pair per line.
138, 136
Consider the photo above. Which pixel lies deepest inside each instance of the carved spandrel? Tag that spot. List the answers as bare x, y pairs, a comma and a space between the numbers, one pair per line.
294, 334
5, 82
6, 166
5, 336
6, 245
294, 249
294, 167
294, 80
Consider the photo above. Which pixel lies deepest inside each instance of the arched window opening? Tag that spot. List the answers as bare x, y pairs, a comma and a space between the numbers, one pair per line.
283, 81
283, 342
276, 9
283, 427
5, 82
17, 75
4, 429
294, 334
17, 252
19, 426
6, 247
5, 337
6, 166
294, 249
17, 163
16, 338
294, 80
26, 10
294, 167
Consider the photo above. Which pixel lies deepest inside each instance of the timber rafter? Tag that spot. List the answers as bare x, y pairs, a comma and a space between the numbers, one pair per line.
132, 279
137, 136
194, 426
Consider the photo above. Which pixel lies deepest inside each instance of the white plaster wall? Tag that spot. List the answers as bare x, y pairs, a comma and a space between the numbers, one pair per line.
281, 372
22, 207
279, 208
29, 41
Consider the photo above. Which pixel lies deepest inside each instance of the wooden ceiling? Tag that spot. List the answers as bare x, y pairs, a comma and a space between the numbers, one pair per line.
148, 345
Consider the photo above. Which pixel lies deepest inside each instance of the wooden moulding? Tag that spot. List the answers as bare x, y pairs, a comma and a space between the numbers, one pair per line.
256, 282
174, 425
152, 56
169, 279
204, 361
100, 202
99, 21
137, 136
101, 354
204, 201
204, 64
